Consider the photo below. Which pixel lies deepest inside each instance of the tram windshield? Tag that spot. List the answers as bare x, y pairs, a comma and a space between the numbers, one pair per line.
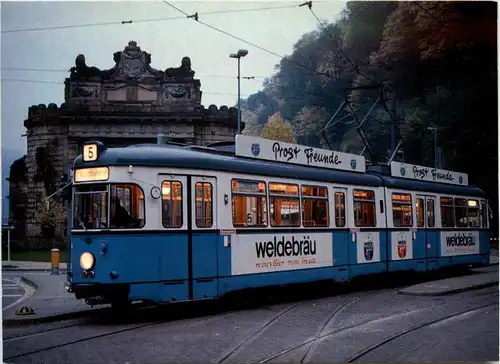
108, 206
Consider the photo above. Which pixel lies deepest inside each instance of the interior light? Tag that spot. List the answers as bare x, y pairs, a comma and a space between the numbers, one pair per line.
472, 203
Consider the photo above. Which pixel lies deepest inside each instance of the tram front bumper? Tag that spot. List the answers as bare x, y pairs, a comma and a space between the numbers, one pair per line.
107, 291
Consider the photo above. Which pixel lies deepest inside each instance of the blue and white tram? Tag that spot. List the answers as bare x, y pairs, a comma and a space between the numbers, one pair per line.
168, 223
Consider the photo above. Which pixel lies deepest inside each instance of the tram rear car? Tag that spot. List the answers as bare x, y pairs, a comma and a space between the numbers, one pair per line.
166, 223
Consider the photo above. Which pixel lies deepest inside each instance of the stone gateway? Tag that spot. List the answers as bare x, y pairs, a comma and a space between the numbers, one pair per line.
127, 104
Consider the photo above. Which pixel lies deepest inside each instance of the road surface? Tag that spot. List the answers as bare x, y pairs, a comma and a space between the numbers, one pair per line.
13, 292
365, 326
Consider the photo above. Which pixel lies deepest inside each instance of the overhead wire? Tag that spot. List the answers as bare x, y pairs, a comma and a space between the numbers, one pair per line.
62, 83
123, 22
196, 16
427, 11
356, 67
67, 71
252, 78
60, 70
204, 92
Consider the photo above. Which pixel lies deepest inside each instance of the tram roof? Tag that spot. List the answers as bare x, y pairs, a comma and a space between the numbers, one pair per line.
165, 155
436, 187
197, 157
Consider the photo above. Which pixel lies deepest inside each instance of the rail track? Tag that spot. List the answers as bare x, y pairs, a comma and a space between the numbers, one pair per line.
150, 317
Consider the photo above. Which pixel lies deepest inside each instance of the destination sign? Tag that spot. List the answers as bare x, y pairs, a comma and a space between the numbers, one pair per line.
92, 174
272, 150
421, 173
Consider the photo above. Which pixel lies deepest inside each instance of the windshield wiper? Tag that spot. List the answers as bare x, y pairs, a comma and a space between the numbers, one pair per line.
80, 223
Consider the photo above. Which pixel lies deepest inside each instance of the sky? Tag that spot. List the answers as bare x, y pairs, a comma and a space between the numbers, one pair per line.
50, 53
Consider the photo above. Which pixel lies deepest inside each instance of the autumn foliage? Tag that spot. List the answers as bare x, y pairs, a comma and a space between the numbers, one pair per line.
439, 61
278, 129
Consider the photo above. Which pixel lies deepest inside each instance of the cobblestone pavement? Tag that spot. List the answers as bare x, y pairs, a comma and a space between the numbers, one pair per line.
378, 325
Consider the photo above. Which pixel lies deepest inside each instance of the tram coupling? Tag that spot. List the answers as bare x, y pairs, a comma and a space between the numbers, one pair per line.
96, 300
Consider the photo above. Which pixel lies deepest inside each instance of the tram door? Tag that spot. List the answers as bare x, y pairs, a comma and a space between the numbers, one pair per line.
204, 237
427, 234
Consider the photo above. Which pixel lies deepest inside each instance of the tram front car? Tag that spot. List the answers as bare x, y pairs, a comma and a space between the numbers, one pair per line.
107, 217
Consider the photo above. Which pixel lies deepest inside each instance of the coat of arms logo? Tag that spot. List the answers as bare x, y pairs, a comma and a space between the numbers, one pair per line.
402, 246
353, 163
368, 248
255, 149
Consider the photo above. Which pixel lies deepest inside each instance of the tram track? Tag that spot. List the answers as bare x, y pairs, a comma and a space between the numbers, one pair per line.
319, 337
329, 319
415, 328
40, 333
65, 332
235, 349
83, 339
353, 358
85, 325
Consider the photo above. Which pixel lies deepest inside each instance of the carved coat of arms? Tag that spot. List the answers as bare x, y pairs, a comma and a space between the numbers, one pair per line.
177, 92
132, 62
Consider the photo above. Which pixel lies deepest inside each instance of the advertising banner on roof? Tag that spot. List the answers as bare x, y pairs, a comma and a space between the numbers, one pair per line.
272, 150
421, 173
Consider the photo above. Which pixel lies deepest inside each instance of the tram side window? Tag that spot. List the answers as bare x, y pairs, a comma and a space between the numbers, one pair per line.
315, 206
127, 207
171, 204
249, 203
461, 212
364, 208
339, 209
401, 209
284, 204
203, 204
473, 213
431, 220
447, 212
420, 212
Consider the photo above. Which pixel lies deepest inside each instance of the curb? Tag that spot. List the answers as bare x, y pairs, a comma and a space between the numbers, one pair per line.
450, 291
30, 283
10, 323
62, 271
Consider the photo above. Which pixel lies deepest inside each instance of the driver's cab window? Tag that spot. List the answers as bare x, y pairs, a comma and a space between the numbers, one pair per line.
126, 207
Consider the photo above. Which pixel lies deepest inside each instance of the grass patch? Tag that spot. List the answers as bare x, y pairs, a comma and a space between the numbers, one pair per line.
33, 256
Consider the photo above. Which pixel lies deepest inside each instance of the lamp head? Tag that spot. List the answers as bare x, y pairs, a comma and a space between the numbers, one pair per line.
242, 52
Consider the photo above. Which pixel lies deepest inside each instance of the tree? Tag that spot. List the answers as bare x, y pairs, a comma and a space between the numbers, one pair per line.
438, 61
278, 129
49, 218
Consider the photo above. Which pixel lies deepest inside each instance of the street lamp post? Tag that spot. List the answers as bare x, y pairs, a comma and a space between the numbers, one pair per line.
240, 54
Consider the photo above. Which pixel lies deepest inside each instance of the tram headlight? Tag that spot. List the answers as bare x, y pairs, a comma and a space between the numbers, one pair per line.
87, 260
